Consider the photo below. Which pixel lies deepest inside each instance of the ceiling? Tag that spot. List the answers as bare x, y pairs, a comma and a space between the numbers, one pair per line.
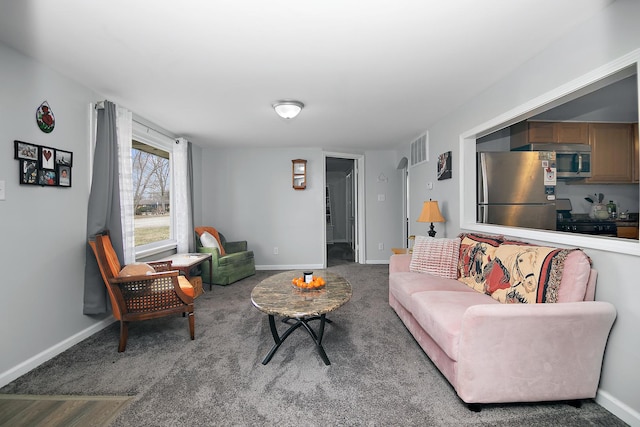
372, 74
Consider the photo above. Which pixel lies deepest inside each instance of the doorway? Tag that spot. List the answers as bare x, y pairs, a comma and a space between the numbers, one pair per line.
341, 211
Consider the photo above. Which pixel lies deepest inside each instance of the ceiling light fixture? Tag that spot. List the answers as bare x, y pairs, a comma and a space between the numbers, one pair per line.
288, 109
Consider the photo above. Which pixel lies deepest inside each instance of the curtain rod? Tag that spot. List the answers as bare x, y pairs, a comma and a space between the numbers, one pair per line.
100, 105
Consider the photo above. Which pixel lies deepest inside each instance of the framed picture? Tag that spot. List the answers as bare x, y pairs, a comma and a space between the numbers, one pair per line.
48, 158
26, 151
444, 166
29, 172
64, 176
64, 158
47, 177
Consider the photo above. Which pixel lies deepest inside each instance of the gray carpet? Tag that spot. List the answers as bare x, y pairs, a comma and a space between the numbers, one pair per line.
379, 376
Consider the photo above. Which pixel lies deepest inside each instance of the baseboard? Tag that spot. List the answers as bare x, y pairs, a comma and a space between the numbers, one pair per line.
618, 408
37, 360
377, 261
290, 267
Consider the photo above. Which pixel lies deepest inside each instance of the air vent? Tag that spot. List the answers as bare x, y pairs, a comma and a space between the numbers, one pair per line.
419, 152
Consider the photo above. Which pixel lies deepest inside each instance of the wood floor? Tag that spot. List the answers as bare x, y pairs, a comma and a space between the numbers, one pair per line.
29, 410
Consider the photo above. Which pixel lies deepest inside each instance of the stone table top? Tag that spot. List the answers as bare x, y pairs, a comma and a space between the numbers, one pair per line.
186, 260
276, 295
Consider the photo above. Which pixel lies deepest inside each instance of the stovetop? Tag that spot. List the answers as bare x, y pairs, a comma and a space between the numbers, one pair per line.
585, 221
587, 226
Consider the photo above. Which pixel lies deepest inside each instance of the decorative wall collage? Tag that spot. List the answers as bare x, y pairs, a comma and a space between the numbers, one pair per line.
41, 165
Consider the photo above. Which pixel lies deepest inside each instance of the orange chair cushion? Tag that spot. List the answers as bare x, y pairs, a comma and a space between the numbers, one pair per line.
136, 269
214, 233
186, 286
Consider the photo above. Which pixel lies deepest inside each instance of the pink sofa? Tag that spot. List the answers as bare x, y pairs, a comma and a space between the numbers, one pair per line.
491, 351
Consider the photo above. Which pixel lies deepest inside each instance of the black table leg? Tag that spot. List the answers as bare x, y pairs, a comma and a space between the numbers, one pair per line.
317, 338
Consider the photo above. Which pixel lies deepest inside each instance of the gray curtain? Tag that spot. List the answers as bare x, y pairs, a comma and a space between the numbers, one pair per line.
104, 208
192, 242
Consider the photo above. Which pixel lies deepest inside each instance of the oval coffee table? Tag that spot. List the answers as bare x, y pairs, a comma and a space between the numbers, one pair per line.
277, 296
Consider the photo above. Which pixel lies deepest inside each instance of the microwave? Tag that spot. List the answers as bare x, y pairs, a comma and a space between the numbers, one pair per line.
572, 160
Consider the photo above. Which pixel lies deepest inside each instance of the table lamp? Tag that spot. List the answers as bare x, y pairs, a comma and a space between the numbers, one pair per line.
431, 213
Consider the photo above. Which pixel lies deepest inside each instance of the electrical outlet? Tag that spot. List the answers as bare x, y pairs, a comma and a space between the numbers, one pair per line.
275, 250
381, 246
2, 190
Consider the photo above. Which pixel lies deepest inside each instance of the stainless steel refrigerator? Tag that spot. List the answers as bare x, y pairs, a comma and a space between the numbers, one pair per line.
512, 190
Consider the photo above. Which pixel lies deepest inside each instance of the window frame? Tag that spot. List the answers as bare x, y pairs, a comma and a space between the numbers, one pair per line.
153, 138
558, 96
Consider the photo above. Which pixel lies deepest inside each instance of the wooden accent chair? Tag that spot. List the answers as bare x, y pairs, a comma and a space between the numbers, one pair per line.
143, 296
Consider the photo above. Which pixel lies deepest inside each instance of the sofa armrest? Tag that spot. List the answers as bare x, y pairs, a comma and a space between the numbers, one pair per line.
215, 254
532, 352
399, 263
233, 247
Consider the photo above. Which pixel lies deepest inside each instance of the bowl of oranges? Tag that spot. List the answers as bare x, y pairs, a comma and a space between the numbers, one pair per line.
316, 283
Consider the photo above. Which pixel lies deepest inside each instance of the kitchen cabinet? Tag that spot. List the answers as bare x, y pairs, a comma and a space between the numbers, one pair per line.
529, 132
611, 153
627, 232
572, 133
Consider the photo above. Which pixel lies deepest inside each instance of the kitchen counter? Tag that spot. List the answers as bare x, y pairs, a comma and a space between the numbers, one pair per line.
628, 228
626, 223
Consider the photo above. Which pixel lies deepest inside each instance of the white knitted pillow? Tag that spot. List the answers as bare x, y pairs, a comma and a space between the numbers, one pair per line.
436, 256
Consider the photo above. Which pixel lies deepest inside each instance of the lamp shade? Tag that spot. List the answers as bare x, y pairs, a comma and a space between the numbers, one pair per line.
288, 109
430, 212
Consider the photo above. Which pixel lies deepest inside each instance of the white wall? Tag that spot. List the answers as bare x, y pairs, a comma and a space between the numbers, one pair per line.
247, 195
609, 35
42, 229
383, 217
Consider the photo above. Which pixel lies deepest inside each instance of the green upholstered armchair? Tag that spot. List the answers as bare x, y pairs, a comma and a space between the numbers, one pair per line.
234, 264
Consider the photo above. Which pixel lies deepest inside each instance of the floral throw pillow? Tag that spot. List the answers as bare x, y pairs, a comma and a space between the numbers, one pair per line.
435, 256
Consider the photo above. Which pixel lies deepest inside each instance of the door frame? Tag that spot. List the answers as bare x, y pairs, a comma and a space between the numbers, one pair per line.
358, 196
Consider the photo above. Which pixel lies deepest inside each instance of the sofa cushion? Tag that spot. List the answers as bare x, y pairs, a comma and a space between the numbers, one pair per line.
436, 256
575, 277
440, 314
237, 258
404, 284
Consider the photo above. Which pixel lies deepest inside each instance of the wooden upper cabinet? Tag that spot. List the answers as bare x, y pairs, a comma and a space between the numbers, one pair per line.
542, 132
572, 133
524, 133
611, 148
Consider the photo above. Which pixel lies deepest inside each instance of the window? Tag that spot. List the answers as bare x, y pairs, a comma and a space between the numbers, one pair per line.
579, 93
151, 194
151, 161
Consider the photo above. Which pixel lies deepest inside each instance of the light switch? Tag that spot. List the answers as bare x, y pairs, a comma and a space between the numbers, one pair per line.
381, 197
2, 195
